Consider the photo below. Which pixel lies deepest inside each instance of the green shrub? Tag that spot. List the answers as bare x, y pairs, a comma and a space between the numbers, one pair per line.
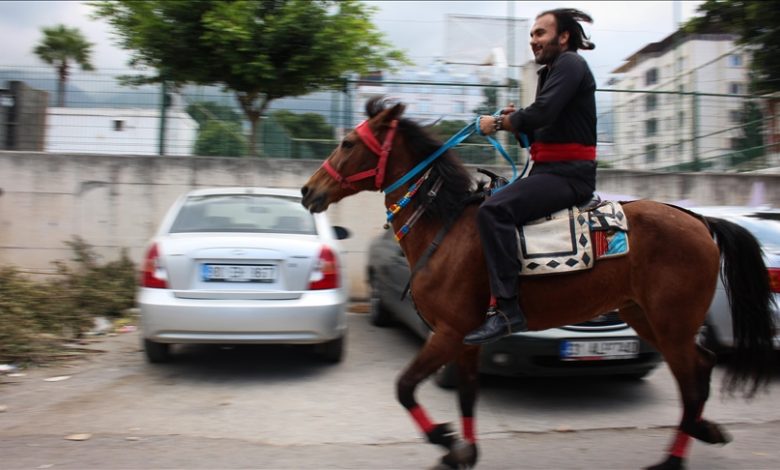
38, 317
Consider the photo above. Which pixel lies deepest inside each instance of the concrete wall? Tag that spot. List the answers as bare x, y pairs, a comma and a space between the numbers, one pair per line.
116, 202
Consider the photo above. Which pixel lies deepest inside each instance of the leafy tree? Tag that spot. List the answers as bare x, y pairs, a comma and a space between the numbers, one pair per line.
750, 145
304, 125
261, 50
757, 23
444, 129
220, 139
490, 105
204, 111
219, 130
61, 45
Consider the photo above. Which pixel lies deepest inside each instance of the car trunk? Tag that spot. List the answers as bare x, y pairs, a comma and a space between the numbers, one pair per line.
236, 266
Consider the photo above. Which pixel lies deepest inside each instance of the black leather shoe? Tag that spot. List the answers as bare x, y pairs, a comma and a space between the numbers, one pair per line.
507, 318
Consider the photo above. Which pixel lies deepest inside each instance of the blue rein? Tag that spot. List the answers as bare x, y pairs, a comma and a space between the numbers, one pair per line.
455, 140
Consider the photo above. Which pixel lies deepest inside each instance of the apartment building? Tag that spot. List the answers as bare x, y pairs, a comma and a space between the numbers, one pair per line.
678, 104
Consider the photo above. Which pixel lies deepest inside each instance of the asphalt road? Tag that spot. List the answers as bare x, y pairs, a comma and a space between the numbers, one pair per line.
274, 407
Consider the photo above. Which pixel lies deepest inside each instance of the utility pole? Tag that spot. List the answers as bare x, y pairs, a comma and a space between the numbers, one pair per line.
164, 101
677, 13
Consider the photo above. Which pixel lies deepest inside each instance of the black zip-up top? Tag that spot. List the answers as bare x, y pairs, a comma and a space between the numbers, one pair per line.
564, 112
565, 106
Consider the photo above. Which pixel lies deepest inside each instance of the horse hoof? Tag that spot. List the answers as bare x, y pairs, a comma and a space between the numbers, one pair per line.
442, 435
462, 455
709, 432
717, 434
671, 463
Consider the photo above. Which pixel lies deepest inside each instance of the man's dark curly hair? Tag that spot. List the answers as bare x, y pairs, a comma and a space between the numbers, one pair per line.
568, 19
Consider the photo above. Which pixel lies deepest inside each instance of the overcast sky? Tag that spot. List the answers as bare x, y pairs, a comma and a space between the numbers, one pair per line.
418, 27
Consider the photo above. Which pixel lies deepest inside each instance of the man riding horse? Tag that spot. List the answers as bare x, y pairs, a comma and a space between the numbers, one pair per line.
562, 125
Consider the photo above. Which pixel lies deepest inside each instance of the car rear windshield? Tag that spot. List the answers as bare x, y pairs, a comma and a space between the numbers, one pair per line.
243, 213
765, 227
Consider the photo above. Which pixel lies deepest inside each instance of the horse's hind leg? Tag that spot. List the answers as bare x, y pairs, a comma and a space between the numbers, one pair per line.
441, 349
692, 366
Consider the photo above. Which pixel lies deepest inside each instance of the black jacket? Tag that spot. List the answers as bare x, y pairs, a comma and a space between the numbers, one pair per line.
564, 112
565, 106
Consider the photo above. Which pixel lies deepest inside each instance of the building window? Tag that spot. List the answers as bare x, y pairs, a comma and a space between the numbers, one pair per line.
736, 88
735, 60
651, 76
119, 125
650, 153
735, 116
651, 127
650, 102
681, 119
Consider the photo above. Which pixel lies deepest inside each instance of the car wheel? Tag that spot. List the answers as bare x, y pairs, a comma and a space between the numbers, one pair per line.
379, 315
332, 351
447, 376
157, 352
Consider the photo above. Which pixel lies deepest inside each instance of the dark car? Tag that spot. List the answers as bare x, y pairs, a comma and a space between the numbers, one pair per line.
717, 333
602, 346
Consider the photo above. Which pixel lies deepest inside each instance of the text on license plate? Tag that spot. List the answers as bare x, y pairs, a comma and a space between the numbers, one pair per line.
238, 273
599, 350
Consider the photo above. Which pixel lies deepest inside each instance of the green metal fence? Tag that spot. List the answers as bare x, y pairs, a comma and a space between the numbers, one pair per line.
682, 130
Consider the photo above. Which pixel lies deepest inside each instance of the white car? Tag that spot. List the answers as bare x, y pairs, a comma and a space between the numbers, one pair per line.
243, 266
717, 334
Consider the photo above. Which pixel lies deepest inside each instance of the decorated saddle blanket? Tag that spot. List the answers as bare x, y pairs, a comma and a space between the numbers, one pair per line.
572, 239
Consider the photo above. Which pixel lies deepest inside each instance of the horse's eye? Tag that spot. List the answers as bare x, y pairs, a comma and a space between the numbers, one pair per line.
346, 144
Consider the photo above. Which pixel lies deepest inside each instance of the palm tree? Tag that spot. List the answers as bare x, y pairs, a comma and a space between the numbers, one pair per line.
59, 46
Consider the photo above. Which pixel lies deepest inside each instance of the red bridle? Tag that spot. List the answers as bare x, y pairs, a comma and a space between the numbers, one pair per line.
365, 134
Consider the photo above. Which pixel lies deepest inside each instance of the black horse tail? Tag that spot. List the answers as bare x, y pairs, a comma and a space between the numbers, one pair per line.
746, 280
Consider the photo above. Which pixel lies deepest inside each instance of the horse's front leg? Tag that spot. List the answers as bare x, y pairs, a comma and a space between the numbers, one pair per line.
440, 349
464, 453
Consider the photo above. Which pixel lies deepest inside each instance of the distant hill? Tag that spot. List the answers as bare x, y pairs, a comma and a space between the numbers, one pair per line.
74, 95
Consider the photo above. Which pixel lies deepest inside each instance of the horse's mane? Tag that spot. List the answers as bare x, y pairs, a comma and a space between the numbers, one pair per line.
457, 184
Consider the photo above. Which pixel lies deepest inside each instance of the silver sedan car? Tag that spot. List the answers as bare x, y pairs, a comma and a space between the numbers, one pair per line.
243, 265
717, 334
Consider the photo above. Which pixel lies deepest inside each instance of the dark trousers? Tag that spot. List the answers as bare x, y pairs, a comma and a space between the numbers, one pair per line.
527, 199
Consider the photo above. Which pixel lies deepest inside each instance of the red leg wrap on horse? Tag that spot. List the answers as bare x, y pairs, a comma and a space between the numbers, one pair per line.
680, 445
421, 418
468, 430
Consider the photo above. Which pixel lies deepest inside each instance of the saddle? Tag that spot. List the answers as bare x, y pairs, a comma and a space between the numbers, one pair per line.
573, 239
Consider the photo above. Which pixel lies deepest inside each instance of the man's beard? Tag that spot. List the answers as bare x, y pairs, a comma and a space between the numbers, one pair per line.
549, 52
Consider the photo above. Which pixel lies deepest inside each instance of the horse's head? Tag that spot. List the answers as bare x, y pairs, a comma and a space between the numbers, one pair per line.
359, 162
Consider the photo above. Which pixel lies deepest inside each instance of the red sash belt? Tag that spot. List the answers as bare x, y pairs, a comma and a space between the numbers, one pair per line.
552, 152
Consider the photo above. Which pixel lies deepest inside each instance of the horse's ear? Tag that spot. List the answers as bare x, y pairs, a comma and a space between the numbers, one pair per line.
396, 111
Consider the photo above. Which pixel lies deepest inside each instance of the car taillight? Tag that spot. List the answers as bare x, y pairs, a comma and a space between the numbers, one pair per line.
153, 274
774, 279
326, 271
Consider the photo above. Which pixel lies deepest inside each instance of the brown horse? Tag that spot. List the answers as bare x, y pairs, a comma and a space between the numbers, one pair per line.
662, 288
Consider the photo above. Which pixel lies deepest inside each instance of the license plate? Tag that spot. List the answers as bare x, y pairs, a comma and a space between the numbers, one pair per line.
238, 273
599, 350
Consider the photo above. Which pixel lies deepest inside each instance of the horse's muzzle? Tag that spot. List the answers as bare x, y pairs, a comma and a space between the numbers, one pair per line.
313, 201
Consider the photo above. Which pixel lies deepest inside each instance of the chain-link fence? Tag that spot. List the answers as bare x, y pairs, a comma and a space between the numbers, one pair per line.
648, 130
